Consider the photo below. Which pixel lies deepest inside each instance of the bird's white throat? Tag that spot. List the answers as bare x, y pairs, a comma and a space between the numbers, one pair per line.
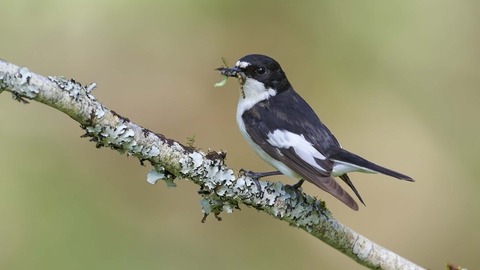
255, 92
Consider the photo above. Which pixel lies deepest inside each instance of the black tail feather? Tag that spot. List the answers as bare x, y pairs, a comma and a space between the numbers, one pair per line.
346, 179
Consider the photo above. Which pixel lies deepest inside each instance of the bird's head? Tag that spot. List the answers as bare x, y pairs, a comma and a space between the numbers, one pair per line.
259, 75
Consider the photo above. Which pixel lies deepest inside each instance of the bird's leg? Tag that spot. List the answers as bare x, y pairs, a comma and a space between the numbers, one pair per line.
296, 187
257, 175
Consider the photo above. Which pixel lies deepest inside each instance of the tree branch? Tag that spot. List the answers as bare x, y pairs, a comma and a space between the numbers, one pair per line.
220, 188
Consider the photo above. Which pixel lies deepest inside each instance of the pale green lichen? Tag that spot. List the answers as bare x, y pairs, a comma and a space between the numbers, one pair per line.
91, 87
116, 136
74, 88
99, 111
206, 207
169, 181
19, 84
153, 176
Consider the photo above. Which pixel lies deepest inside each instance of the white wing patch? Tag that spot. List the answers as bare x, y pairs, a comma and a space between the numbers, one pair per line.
303, 148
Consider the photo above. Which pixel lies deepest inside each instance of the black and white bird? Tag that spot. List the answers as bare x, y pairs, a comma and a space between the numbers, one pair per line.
285, 132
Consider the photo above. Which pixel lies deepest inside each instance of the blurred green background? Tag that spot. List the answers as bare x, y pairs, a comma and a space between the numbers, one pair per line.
396, 81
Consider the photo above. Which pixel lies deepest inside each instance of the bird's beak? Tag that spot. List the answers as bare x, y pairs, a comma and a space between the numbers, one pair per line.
230, 72
233, 72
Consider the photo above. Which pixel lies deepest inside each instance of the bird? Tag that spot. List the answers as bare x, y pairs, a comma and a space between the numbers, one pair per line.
285, 132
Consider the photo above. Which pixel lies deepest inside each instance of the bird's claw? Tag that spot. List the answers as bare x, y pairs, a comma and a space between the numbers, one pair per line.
296, 188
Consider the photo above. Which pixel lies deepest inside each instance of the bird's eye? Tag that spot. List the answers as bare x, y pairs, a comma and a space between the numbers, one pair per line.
261, 70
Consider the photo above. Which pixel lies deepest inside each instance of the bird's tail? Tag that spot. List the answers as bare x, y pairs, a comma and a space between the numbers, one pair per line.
331, 186
346, 179
346, 157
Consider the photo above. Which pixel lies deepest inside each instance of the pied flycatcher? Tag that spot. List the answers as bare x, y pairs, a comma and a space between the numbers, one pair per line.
285, 132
